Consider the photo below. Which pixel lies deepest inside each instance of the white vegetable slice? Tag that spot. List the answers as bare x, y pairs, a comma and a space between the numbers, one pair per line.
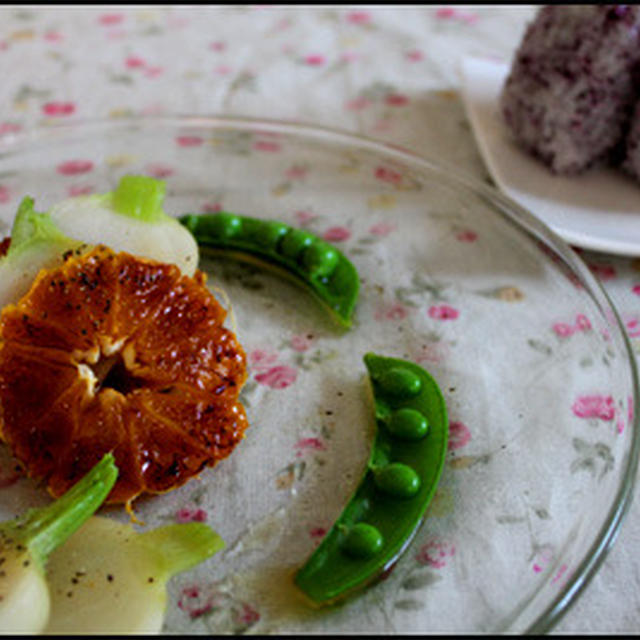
27, 541
93, 220
128, 219
25, 595
109, 579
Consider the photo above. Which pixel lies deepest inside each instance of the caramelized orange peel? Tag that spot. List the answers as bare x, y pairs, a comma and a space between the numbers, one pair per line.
104, 349
112, 352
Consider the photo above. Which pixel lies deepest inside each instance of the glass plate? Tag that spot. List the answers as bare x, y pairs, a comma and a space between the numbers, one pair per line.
534, 365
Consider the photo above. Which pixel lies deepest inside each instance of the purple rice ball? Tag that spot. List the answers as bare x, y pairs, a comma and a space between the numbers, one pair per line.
573, 83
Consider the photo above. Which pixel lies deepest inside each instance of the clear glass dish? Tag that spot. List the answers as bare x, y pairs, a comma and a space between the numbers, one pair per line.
537, 372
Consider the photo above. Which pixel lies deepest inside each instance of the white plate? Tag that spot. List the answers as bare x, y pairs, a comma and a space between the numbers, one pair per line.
599, 210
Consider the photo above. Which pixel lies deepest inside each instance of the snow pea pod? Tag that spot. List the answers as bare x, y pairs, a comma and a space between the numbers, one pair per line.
296, 253
402, 475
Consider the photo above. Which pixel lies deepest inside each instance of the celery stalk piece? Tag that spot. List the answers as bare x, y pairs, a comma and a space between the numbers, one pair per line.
109, 579
27, 542
140, 197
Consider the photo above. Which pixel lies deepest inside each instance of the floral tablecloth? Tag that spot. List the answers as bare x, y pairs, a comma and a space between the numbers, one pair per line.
387, 72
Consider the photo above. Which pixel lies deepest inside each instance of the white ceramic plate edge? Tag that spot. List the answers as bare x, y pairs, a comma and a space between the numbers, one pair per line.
599, 210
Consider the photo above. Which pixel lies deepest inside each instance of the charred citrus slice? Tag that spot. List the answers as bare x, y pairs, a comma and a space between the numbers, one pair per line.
111, 352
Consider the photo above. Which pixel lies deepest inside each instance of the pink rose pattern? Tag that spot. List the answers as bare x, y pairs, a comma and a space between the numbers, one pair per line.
74, 167
262, 359
466, 235
269, 146
459, 435
200, 601
79, 190
436, 554
189, 141
309, 444
565, 329
188, 514
304, 217
301, 343
276, 376
58, 108
633, 326
382, 229
458, 15
443, 312
160, 171
542, 558
9, 127
336, 234
594, 406
212, 207
394, 311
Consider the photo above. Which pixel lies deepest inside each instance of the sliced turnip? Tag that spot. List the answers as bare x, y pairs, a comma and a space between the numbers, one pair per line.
129, 219
27, 542
107, 578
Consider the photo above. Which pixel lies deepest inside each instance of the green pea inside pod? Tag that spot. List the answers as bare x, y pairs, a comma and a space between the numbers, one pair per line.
294, 242
408, 424
266, 234
399, 382
397, 480
362, 541
320, 259
224, 225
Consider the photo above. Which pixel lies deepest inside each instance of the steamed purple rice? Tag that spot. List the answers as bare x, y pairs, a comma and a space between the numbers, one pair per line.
572, 86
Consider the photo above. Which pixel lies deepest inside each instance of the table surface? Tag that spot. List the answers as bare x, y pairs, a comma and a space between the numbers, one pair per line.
386, 72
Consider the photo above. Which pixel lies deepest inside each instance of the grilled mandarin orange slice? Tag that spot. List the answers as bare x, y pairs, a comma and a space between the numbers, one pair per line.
111, 352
